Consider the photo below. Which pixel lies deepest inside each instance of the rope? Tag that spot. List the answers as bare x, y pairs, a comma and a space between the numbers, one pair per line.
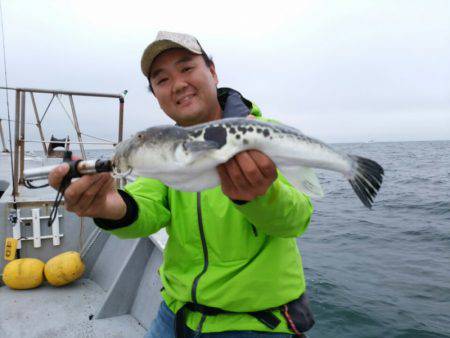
46, 109
28, 184
67, 113
30, 123
98, 138
92, 239
7, 103
59, 196
80, 239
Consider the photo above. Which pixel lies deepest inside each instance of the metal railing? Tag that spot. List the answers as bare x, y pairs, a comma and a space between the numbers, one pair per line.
20, 121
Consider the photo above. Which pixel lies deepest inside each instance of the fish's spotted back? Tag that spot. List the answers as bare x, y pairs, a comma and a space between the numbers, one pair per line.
217, 134
239, 128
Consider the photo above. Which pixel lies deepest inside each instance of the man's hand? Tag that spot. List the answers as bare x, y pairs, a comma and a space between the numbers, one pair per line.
247, 175
90, 195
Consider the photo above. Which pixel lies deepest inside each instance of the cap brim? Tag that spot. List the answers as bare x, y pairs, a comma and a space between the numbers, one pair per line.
156, 48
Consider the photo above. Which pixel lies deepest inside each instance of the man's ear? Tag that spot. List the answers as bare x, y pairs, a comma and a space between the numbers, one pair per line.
212, 69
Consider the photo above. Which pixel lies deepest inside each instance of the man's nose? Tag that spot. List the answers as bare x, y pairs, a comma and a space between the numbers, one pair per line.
179, 84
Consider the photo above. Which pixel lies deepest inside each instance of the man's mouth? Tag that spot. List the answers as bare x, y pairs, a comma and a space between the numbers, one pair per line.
185, 99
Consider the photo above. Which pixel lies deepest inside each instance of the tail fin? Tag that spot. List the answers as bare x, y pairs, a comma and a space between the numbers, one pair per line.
367, 179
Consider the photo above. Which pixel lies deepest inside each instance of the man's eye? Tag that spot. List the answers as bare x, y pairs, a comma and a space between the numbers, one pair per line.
186, 69
161, 81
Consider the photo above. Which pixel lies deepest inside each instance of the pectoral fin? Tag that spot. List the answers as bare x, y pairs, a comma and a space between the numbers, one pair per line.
303, 179
200, 146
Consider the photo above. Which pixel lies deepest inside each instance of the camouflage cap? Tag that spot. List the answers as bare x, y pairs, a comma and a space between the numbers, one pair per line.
164, 41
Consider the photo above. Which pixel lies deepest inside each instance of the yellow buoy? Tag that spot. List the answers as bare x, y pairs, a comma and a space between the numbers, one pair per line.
10, 248
24, 273
64, 268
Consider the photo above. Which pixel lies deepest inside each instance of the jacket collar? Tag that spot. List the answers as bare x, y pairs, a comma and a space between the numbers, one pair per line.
233, 104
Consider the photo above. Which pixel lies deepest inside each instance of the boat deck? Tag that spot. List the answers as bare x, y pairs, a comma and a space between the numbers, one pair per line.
61, 312
119, 296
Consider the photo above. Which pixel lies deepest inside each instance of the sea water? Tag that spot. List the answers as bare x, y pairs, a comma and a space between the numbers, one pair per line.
383, 272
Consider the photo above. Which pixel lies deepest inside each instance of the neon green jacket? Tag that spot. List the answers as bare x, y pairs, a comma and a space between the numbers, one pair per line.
239, 258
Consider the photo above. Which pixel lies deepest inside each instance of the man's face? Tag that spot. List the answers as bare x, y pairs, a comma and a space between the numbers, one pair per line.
185, 87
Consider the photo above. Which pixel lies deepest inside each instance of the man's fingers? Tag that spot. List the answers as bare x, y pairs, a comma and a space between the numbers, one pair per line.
265, 164
237, 176
56, 175
250, 169
247, 175
90, 194
76, 189
226, 182
107, 186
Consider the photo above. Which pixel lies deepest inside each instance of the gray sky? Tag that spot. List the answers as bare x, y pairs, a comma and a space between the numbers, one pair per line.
340, 71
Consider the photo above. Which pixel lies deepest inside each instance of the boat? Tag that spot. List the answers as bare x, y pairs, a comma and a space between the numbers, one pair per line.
119, 293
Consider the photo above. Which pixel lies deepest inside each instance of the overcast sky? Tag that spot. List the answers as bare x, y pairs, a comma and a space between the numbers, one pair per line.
340, 71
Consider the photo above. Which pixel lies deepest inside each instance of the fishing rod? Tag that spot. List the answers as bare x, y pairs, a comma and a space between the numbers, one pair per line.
78, 168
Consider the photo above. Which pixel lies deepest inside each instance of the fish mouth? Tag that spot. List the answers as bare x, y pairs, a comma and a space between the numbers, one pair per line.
119, 169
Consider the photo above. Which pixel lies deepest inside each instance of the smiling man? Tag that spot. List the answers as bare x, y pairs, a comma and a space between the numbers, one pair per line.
231, 265
185, 86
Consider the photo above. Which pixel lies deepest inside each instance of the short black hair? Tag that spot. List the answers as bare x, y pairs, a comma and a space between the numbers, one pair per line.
208, 61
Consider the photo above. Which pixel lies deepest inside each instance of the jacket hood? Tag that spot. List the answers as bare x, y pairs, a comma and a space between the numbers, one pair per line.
234, 104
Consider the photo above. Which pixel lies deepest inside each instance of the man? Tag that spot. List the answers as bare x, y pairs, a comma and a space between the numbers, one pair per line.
231, 263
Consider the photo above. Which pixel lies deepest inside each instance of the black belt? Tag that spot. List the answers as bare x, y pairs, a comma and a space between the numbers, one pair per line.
266, 316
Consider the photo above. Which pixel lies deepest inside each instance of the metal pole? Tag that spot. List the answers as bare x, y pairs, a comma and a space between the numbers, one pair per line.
77, 127
22, 135
38, 123
5, 150
16, 145
64, 92
121, 106
72, 142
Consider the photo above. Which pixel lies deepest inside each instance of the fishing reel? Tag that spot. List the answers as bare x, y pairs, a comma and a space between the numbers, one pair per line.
77, 168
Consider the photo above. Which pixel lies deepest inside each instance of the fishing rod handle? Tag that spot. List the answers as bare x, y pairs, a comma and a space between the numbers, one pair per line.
81, 168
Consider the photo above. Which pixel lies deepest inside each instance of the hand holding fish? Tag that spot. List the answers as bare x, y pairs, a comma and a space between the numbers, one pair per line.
247, 175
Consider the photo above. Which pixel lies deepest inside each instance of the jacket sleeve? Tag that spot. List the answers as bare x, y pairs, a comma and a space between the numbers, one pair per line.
153, 212
282, 211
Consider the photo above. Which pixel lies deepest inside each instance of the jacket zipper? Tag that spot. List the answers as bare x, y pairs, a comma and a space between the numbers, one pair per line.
205, 250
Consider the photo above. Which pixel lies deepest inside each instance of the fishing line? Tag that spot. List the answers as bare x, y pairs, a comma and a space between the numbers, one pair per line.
65, 110
12, 217
7, 106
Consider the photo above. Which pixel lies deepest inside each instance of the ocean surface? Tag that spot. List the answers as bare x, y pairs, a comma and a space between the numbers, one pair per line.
383, 272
